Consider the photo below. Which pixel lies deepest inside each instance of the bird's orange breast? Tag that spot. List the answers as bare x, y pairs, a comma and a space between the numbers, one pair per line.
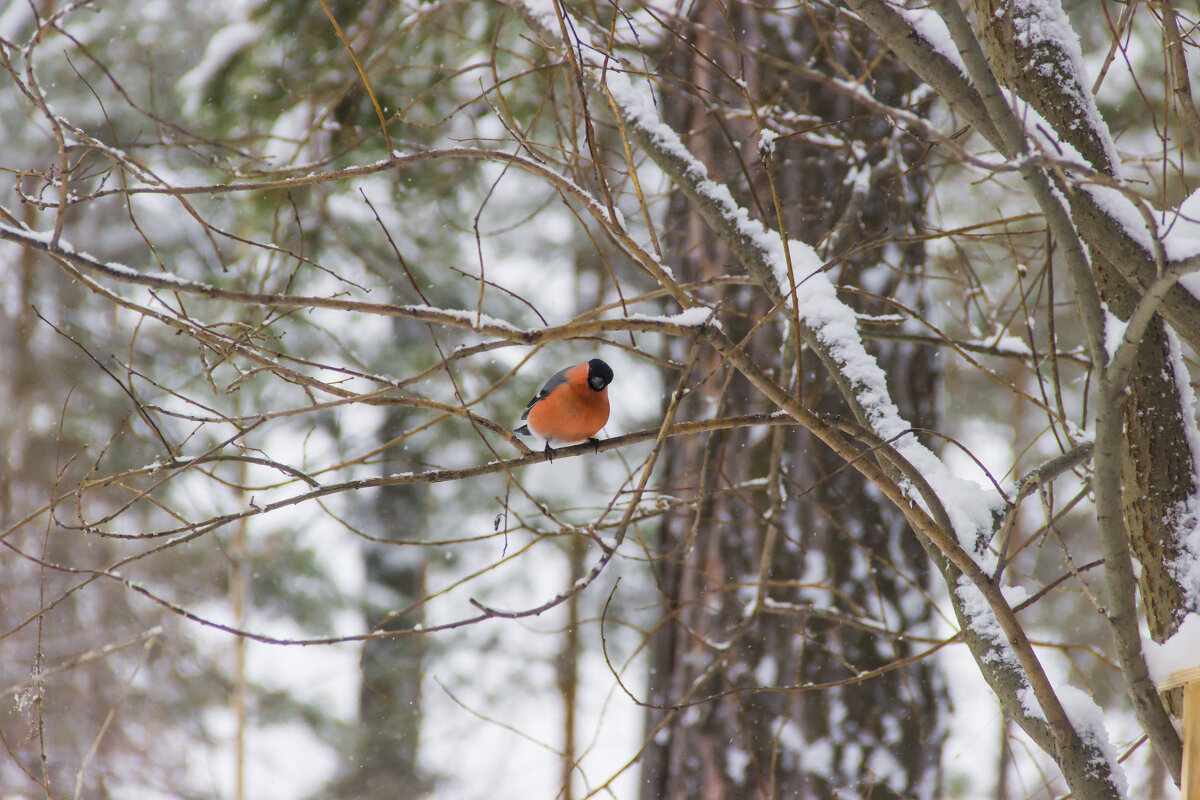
570, 414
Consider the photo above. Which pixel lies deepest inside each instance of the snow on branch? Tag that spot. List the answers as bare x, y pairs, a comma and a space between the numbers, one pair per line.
910, 39
1051, 60
1104, 218
680, 324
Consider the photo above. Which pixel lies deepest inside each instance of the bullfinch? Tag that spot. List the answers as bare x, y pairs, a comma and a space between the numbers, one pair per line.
571, 407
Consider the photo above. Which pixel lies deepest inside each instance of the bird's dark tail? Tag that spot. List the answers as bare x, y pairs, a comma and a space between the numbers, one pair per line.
523, 430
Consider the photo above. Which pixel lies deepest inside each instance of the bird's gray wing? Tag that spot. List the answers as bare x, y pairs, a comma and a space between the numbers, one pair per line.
556, 380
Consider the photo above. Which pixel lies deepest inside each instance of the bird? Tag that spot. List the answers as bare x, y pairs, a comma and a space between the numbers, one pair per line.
571, 408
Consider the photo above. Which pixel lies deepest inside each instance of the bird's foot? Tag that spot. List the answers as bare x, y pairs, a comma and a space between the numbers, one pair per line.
549, 453
595, 443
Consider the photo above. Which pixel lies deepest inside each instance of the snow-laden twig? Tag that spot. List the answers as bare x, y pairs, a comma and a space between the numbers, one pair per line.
451, 317
927, 59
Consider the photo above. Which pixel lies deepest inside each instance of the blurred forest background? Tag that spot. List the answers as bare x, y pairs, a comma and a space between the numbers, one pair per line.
278, 278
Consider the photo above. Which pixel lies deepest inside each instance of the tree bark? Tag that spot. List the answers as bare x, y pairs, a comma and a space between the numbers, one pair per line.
814, 522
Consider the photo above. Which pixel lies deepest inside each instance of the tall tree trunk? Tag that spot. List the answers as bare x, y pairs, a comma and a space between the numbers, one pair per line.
828, 547
384, 749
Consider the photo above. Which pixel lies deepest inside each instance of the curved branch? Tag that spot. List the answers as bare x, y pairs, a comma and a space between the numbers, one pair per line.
614, 228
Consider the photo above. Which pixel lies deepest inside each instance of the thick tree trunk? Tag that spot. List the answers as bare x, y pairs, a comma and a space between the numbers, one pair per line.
835, 549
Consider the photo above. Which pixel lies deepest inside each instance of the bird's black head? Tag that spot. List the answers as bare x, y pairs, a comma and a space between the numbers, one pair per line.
599, 374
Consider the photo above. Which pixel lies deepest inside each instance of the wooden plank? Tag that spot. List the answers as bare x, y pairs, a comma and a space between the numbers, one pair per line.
1183, 676
1191, 740
1189, 679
